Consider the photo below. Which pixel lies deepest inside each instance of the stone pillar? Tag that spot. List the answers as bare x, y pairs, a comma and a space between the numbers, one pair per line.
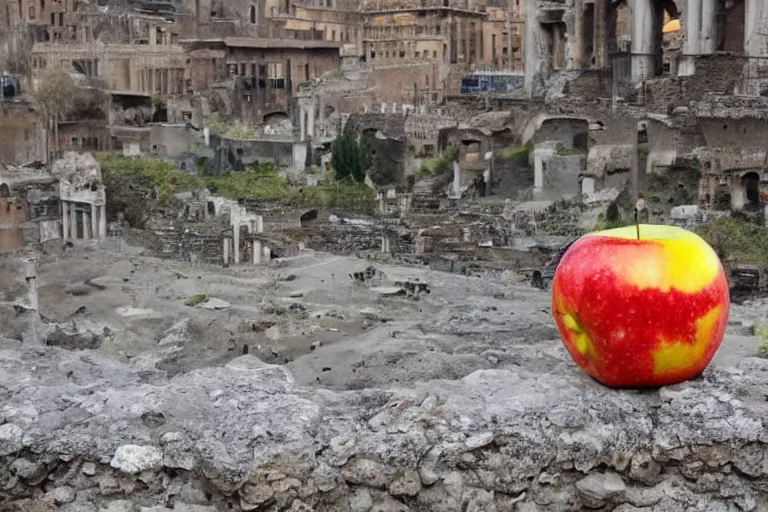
382, 203
259, 224
644, 26
95, 221
65, 220
456, 188
311, 121
699, 22
267, 252
531, 47
103, 222
31, 278
691, 24
86, 223
385, 247
73, 221
302, 124
708, 32
258, 252
575, 58
225, 251
236, 243
755, 36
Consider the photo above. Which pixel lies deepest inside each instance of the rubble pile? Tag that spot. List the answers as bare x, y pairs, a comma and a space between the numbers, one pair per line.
80, 170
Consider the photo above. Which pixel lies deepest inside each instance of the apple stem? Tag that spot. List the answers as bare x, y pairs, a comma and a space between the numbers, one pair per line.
637, 222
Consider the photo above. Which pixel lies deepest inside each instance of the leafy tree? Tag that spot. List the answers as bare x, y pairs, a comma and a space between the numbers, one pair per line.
350, 158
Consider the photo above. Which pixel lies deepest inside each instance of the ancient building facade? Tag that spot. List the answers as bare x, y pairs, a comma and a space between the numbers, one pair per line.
22, 133
628, 37
417, 53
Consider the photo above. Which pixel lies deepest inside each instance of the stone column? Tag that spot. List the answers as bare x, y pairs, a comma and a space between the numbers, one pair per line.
456, 188
95, 221
644, 27
267, 252
708, 32
691, 24
531, 47
302, 123
258, 252
236, 243
86, 223
311, 121
755, 12
31, 278
103, 222
65, 220
225, 251
575, 58
73, 221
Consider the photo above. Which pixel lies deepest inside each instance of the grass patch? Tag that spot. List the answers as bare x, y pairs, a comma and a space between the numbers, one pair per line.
440, 165
739, 239
561, 150
136, 187
196, 300
524, 151
266, 184
164, 176
230, 129
761, 331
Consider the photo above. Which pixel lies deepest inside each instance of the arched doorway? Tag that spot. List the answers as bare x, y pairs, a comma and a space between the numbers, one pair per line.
751, 183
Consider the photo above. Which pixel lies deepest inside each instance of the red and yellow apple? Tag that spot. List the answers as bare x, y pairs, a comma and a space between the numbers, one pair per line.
640, 313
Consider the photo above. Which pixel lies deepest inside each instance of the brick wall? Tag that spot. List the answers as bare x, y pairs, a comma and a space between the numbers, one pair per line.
717, 74
591, 84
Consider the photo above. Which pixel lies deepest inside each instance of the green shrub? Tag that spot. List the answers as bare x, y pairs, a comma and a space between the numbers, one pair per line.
136, 186
737, 238
195, 300
440, 165
350, 158
761, 331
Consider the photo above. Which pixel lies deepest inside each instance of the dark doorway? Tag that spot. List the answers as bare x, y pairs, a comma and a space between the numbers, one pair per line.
751, 182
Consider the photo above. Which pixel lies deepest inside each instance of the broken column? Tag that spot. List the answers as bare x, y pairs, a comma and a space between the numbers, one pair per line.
73, 221
385, 244
64, 220
95, 222
225, 250
31, 278
85, 221
236, 243
644, 25
103, 222
456, 187
257, 251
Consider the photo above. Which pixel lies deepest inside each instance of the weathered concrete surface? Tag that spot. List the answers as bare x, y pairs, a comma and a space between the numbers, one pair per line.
463, 400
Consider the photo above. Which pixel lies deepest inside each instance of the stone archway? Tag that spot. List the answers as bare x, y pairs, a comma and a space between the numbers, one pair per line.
751, 183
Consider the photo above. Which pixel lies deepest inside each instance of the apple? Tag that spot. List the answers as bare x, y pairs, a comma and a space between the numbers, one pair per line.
641, 313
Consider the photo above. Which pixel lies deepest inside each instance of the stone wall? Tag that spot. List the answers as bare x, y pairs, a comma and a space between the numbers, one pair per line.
718, 73
186, 244
236, 154
202, 442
